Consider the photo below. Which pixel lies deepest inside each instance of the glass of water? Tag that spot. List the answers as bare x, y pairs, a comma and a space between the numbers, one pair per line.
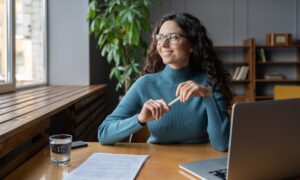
60, 149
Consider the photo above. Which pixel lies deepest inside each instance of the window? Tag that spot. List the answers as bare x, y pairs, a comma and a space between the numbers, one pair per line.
6, 66
23, 45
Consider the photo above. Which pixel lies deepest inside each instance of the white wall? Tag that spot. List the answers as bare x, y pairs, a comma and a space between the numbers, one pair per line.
68, 39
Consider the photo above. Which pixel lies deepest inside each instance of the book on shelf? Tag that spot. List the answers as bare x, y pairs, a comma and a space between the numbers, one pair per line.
243, 73
236, 72
260, 55
274, 76
240, 73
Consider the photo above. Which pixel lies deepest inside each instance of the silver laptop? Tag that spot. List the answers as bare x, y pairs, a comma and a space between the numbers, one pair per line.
264, 144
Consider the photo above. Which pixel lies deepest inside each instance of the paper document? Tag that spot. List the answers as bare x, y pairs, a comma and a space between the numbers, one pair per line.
108, 166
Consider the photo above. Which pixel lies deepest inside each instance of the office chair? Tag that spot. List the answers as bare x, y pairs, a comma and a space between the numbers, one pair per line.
286, 91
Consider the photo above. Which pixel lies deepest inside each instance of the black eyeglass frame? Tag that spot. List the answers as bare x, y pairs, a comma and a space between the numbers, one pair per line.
167, 37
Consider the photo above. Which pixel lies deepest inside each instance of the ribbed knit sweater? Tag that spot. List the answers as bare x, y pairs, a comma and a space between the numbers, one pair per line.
198, 120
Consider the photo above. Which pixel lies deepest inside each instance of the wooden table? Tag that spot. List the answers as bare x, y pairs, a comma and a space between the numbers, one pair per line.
163, 162
25, 117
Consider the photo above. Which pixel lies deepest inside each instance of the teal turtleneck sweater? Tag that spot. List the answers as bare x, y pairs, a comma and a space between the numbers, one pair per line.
198, 120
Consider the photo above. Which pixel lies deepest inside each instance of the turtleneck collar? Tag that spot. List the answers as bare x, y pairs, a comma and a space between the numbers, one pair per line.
181, 74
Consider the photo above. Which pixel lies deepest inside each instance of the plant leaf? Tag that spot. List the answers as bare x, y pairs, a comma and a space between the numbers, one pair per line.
118, 25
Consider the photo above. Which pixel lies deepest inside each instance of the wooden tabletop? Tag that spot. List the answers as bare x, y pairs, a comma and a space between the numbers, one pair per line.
163, 162
26, 115
22, 109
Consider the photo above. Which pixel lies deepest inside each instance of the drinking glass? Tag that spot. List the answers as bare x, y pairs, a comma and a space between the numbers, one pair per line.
60, 149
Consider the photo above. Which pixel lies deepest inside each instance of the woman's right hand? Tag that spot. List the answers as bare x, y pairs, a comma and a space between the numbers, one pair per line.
153, 109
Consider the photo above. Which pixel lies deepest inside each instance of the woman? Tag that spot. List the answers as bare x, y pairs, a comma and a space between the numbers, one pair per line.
180, 63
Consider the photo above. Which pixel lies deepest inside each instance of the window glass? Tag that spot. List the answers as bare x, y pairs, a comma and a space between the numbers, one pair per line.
3, 41
30, 64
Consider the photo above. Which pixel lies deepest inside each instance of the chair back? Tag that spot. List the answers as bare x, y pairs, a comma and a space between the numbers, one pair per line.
141, 136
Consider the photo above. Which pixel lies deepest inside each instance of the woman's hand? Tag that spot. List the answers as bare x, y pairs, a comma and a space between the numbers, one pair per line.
153, 109
189, 88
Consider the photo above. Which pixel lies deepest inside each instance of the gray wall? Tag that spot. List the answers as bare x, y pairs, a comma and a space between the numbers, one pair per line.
68, 39
229, 22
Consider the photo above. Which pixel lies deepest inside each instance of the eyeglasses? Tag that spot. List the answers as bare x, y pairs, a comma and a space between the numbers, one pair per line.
172, 38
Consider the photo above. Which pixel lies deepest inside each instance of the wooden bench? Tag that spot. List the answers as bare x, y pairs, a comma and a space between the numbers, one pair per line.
25, 118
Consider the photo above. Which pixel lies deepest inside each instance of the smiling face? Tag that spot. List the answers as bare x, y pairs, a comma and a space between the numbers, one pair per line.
174, 53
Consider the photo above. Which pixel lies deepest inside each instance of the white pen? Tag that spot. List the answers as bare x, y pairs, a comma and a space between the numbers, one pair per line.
174, 101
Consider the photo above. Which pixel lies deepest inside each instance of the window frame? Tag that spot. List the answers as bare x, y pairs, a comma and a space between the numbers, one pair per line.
11, 50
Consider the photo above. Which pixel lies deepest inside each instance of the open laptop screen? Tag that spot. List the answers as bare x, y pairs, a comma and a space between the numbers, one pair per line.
264, 142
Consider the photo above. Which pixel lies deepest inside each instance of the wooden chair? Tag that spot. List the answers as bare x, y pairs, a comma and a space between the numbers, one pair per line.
286, 92
141, 136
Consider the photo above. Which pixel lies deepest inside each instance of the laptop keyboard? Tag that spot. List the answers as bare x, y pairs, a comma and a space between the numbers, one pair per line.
219, 173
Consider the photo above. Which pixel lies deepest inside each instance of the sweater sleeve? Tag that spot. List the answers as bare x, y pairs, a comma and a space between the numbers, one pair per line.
123, 121
218, 121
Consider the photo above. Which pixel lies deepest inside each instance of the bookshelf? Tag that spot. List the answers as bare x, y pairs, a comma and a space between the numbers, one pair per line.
279, 60
238, 56
283, 61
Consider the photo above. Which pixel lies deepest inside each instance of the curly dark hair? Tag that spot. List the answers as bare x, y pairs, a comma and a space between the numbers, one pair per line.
202, 59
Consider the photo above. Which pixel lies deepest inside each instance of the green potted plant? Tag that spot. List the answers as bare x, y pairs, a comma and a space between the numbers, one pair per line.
118, 26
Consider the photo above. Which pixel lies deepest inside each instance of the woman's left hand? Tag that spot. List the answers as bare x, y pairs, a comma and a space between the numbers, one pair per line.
189, 88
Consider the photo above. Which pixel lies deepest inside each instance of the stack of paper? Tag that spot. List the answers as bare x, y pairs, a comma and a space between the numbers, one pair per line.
108, 166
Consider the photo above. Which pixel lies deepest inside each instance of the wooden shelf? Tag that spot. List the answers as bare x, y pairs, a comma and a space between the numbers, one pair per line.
279, 81
231, 47
243, 56
279, 63
264, 97
235, 63
287, 63
277, 47
254, 88
241, 98
240, 81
